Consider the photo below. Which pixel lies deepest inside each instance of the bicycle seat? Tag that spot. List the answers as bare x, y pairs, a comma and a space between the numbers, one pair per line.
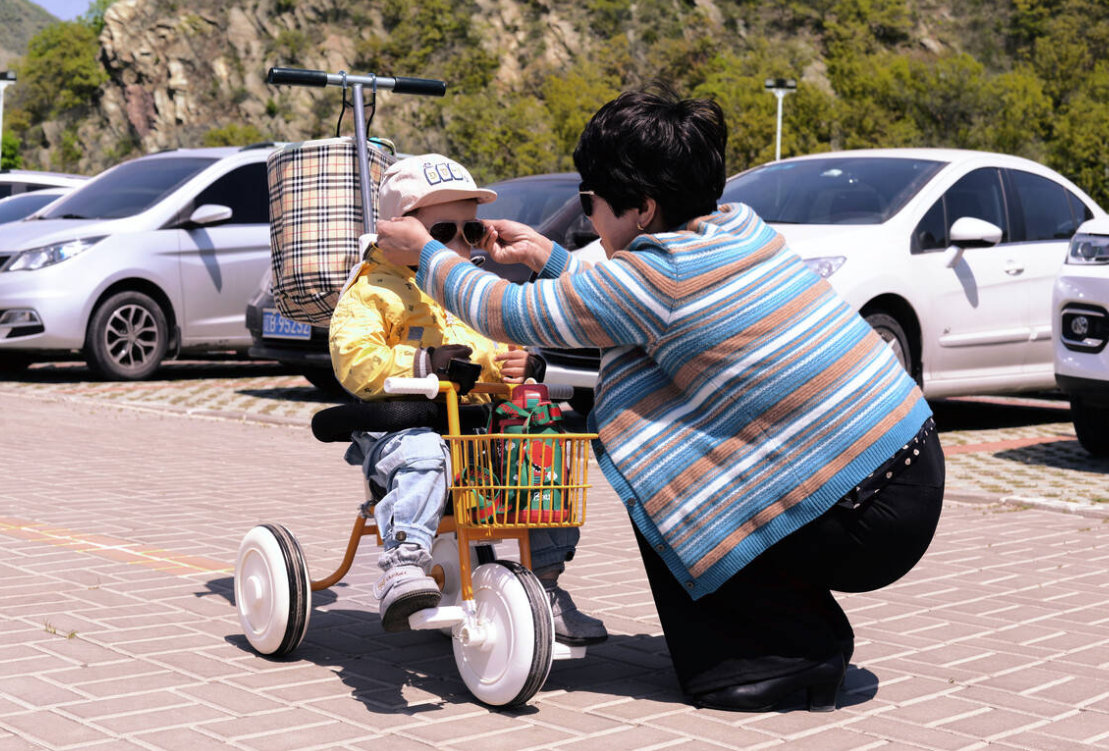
335, 424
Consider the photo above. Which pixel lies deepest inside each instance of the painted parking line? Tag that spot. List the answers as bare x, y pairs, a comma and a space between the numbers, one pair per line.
122, 551
1013, 443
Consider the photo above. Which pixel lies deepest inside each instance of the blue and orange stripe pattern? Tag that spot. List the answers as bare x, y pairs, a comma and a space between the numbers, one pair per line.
738, 397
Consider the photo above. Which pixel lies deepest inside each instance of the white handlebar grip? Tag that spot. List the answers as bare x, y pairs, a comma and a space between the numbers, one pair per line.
427, 386
365, 241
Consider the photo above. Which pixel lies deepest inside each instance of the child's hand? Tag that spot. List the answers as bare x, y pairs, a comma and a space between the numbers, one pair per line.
515, 364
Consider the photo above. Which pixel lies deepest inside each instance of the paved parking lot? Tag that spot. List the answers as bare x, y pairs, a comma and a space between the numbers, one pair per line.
121, 507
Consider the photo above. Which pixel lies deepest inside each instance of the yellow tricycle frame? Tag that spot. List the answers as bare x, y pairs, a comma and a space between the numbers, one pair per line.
473, 462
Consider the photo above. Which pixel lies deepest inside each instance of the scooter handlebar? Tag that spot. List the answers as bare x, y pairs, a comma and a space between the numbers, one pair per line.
296, 77
319, 78
421, 86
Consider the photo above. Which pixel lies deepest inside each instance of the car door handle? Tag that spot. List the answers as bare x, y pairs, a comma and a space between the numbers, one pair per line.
1013, 270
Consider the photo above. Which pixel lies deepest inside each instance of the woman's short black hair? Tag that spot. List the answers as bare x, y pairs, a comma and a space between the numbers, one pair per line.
654, 144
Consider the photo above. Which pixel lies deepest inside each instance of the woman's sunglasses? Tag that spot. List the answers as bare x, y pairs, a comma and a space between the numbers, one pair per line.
444, 232
586, 197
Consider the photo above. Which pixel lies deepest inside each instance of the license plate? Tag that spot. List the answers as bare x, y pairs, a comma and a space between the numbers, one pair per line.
277, 326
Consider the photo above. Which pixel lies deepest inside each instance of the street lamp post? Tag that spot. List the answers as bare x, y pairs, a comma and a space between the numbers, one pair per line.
7, 78
779, 87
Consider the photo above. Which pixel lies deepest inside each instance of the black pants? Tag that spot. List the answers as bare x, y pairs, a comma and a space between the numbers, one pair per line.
777, 615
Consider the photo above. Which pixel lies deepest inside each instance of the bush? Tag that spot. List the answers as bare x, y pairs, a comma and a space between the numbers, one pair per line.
233, 135
9, 152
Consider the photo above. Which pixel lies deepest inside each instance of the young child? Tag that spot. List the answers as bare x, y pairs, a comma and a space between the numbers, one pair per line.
385, 326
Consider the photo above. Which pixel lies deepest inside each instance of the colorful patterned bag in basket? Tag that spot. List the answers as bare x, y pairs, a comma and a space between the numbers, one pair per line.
533, 461
315, 222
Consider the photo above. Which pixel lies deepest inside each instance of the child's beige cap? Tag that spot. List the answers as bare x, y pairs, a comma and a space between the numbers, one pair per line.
426, 180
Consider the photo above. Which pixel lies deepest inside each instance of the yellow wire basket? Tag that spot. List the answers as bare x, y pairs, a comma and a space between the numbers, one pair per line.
520, 480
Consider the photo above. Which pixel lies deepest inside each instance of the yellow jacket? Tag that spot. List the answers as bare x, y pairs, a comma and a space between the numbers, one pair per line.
380, 322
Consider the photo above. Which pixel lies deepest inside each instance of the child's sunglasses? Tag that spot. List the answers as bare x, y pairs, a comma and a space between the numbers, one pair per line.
444, 232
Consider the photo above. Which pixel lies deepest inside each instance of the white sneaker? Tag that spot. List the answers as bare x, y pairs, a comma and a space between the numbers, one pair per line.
404, 590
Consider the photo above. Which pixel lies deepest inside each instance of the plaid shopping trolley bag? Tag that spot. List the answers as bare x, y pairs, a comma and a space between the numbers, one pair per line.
315, 221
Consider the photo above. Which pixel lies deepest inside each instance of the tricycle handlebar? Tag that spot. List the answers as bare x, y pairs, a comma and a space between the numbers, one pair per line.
319, 78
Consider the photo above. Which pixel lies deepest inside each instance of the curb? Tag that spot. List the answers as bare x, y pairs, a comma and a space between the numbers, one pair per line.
209, 414
968, 497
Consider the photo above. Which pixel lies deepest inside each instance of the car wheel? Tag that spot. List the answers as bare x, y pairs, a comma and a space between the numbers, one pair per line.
582, 401
127, 337
14, 362
892, 334
1091, 424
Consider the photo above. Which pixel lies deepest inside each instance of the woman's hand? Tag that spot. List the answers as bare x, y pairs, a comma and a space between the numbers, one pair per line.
515, 364
401, 240
512, 242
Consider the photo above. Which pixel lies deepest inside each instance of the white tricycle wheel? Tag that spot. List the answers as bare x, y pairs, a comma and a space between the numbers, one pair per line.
273, 593
505, 656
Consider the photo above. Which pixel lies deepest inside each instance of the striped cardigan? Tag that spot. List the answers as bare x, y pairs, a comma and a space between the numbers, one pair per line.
738, 396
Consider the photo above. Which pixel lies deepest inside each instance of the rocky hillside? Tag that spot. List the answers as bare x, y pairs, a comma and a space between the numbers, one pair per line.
19, 21
177, 75
524, 75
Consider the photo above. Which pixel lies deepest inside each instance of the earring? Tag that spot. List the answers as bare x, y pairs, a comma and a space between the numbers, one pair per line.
639, 226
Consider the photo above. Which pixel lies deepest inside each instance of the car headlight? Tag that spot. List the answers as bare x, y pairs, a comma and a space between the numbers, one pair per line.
1089, 249
825, 266
48, 255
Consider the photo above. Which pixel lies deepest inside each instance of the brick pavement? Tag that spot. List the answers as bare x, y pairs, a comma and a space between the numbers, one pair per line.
118, 527
1033, 460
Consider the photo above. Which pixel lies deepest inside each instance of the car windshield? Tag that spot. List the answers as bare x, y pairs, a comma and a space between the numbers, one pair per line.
17, 207
129, 189
529, 201
836, 190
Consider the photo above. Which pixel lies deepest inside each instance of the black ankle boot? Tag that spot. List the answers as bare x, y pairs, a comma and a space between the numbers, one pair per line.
821, 681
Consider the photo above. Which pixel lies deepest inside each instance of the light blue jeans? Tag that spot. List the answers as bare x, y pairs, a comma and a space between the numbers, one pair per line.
413, 467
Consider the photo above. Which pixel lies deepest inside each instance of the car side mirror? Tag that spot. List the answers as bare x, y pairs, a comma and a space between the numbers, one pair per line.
209, 213
969, 232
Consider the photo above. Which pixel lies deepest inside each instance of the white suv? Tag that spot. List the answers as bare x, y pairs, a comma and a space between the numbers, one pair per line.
154, 257
1081, 314
16, 182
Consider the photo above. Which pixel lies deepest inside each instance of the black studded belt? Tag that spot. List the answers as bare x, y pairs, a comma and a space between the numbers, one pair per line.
889, 469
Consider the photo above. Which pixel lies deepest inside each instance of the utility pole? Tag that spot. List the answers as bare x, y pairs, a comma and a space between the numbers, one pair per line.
779, 87
7, 78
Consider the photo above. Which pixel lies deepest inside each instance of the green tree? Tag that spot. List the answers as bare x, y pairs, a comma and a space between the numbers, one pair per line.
94, 16
570, 101
1082, 137
1015, 115
499, 139
60, 71
750, 113
9, 151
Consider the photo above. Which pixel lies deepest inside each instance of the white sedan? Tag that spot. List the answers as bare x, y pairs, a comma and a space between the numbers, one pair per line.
950, 255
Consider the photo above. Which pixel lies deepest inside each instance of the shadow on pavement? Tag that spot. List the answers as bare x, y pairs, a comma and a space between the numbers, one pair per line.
353, 644
1059, 454
225, 588
185, 370
974, 414
296, 394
